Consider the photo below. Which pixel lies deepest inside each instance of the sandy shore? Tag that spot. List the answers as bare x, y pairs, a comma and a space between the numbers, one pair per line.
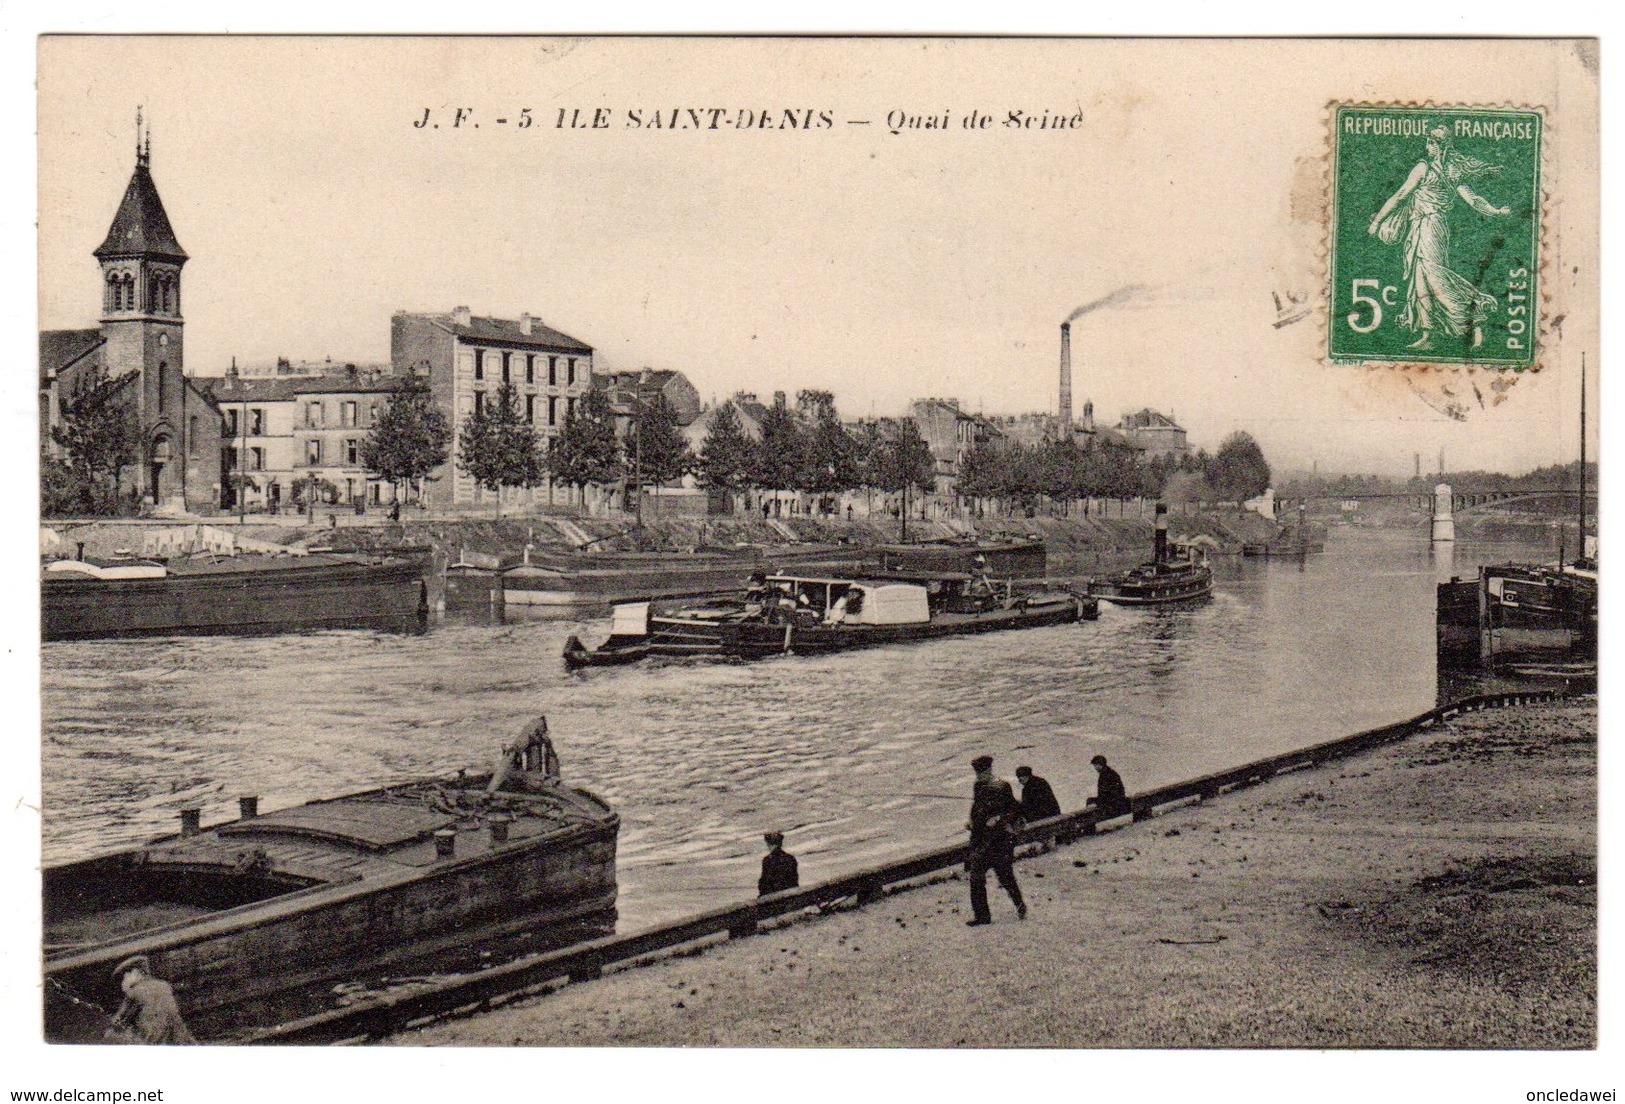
1436, 893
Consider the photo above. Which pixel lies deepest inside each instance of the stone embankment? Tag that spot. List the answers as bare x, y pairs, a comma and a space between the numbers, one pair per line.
1437, 892
507, 538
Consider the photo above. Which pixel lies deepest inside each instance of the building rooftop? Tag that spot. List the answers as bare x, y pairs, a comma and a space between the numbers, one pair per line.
61, 349
507, 331
141, 226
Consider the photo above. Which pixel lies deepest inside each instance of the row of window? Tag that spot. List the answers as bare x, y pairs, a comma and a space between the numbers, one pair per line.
530, 407
347, 451
163, 293
508, 363
348, 412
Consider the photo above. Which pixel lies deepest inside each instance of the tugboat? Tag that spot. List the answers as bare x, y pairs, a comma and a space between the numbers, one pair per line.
1166, 578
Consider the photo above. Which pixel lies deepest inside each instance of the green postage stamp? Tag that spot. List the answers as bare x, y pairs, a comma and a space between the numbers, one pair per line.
1435, 236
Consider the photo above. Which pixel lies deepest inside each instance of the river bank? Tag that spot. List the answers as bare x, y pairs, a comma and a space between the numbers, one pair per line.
1121, 528
1440, 892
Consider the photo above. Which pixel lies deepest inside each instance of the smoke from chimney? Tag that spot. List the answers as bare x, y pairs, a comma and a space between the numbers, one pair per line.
1066, 375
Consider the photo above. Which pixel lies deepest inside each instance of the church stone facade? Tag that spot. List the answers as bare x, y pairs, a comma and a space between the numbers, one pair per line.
140, 343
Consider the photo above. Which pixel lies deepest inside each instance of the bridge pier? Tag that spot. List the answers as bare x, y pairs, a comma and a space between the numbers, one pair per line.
1444, 518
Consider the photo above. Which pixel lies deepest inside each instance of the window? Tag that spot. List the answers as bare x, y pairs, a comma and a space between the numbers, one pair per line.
256, 422
352, 451
570, 372
530, 368
231, 421
347, 412
313, 452
530, 409
479, 401
313, 413
256, 459
552, 410
552, 371
349, 490
228, 459
506, 377
570, 407
372, 414
163, 383
479, 364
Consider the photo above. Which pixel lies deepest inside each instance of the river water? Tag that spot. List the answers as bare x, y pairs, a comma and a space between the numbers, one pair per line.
848, 754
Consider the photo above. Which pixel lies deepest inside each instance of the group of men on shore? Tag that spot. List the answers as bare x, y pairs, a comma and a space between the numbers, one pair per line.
995, 814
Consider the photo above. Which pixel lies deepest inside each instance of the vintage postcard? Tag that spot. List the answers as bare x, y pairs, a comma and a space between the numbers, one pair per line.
920, 543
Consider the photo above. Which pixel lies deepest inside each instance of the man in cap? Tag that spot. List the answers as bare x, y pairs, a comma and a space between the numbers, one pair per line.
993, 809
149, 1011
778, 867
1037, 798
1110, 799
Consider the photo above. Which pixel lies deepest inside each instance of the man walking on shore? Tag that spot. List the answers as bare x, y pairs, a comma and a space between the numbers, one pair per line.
993, 808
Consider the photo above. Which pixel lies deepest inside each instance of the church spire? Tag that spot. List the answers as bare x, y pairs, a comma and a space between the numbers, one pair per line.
141, 227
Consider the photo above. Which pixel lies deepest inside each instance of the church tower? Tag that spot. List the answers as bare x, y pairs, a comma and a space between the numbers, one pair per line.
141, 321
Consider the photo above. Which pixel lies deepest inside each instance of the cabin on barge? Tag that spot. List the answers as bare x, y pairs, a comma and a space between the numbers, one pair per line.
240, 916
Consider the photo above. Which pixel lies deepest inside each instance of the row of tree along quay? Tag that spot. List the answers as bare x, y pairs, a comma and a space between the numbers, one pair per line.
805, 448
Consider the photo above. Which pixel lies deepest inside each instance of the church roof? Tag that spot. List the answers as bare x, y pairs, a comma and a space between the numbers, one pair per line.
141, 227
58, 349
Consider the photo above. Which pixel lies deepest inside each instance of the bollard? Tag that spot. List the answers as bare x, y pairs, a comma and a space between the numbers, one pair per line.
499, 828
445, 843
248, 806
191, 820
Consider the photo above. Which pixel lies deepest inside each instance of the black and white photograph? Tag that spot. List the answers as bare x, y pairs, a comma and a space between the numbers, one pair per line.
790, 545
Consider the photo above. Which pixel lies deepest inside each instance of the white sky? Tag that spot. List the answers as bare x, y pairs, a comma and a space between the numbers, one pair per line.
880, 267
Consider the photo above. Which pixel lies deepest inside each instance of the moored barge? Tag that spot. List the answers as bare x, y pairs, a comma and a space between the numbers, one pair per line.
87, 599
832, 615
240, 916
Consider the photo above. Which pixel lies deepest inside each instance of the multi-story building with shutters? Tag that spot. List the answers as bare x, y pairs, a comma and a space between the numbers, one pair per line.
467, 358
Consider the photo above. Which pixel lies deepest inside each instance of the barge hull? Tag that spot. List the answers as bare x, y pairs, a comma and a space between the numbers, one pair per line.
388, 597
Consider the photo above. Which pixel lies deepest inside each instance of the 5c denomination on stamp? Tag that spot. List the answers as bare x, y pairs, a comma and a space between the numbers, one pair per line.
1435, 235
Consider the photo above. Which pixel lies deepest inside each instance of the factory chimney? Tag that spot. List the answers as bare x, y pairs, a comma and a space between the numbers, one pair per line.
1066, 375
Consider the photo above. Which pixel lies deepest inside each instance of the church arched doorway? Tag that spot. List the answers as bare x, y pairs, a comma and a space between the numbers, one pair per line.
161, 456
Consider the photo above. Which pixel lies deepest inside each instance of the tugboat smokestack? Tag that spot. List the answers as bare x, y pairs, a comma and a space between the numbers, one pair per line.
1160, 548
1066, 375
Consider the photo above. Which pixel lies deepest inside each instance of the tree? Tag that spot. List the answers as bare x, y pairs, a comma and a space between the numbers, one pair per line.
725, 454
829, 455
497, 447
586, 451
411, 437
99, 434
1238, 470
777, 458
906, 460
656, 445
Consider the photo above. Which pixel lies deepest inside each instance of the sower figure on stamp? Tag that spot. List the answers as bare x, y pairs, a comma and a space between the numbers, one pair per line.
1437, 297
149, 1013
993, 811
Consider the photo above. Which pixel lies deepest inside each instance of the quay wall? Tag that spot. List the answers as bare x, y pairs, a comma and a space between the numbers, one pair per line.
1126, 532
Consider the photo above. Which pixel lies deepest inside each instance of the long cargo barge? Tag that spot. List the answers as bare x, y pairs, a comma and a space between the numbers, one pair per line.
241, 915
84, 599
